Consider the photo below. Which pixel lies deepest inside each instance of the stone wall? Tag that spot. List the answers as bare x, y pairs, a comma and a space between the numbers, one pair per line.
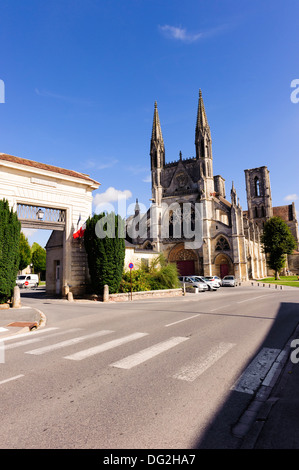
124, 297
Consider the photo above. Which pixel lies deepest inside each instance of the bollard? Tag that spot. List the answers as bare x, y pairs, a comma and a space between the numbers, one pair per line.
106, 293
70, 297
16, 297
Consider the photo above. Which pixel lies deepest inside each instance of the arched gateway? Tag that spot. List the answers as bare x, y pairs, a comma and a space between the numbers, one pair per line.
52, 198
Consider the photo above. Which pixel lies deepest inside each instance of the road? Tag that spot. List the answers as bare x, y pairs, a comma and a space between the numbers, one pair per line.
172, 373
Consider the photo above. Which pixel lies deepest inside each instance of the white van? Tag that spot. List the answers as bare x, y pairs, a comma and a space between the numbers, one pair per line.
27, 280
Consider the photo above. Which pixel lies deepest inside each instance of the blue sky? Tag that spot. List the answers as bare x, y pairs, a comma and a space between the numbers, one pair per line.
81, 78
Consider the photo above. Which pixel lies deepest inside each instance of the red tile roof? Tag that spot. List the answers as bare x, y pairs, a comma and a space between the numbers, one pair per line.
44, 166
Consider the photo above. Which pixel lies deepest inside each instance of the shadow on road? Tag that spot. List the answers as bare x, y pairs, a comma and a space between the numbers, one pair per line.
37, 293
222, 432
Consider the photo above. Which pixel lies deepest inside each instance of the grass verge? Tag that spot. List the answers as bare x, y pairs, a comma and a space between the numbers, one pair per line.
291, 281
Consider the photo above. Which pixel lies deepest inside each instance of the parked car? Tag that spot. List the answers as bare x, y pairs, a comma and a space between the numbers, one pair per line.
214, 280
211, 285
27, 280
218, 279
230, 281
189, 281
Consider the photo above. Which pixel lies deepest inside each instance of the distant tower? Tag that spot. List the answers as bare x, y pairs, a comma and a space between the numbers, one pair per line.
157, 153
258, 191
203, 147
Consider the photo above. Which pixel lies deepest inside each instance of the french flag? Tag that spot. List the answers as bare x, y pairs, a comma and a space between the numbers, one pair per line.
80, 232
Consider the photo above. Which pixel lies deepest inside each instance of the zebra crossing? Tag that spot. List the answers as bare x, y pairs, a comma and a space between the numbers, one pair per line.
188, 373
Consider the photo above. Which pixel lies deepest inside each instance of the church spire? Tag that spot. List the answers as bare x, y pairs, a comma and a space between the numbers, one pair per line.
156, 131
157, 151
202, 132
202, 121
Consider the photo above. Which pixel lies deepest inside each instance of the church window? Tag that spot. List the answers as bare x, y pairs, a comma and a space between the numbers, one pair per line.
222, 244
256, 212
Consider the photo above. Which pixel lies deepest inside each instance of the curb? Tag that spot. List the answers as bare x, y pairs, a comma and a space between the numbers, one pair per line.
28, 326
251, 422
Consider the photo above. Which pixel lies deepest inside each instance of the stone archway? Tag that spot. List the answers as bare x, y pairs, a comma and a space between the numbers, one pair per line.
51, 198
223, 265
186, 260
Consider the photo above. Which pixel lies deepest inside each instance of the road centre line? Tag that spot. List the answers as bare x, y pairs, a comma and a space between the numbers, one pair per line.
221, 306
253, 298
104, 347
68, 342
148, 353
184, 319
11, 378
192, 371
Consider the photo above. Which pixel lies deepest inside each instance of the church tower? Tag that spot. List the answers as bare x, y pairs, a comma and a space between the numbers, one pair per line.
157, 153
259, 198
203, 147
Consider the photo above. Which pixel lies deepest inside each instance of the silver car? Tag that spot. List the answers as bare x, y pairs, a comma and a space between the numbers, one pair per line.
230, 281
214, 280
190, 281
210, 284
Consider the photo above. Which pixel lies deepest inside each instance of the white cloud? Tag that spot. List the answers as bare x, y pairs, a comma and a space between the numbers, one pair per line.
147, 179
102, 164
180, 33
291, 197
29, 232
103, 201
68, 99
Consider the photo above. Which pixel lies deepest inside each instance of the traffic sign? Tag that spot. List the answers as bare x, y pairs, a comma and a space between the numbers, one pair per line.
26, 283
131, 265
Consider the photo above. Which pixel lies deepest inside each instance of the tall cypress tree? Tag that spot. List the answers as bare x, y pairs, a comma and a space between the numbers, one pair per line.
105, 247
10, 229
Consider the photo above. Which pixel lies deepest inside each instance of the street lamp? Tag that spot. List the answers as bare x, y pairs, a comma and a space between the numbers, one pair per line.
40, 214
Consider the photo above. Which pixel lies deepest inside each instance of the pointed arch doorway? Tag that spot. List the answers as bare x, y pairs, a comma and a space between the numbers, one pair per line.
186, 260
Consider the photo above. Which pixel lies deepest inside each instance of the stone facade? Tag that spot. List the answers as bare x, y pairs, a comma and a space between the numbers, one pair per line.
230, 238
65, 197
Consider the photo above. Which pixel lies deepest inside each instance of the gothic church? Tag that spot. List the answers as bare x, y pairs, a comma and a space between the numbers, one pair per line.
230, 236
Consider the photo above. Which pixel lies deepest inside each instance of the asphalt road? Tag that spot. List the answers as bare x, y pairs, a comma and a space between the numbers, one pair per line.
174, 373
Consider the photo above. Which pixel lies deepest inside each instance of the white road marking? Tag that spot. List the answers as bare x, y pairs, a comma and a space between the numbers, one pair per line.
273, 371
29, 333
36, 340
184, 319
104, 347
11, 378
192, 371
256, 372
2, 329
221, 306
68, 342
148, 353
253, 298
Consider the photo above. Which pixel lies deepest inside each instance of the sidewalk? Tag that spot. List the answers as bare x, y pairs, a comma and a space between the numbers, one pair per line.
19, 320
276, 425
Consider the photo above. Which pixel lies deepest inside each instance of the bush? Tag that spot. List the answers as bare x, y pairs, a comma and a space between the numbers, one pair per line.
105, 254
10, 229
159, 275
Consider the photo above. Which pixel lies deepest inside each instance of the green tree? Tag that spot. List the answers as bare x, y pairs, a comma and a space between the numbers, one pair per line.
277, 241
39, 260
25, 252
10, 229
105, 247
